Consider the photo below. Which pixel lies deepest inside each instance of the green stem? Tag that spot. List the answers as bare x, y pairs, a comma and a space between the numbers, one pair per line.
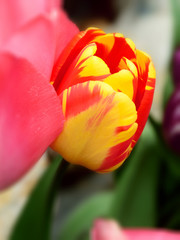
168, 155
37, 213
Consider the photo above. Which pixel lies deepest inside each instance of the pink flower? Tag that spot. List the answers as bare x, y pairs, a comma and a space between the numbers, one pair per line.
109, 230
32, 35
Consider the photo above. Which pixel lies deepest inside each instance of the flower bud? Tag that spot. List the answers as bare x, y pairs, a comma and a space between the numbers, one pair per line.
106, 87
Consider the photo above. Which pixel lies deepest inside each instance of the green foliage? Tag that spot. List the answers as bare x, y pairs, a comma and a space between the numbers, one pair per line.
168, 90
80, 221
34, 222
135, 199
175, 11
145, 195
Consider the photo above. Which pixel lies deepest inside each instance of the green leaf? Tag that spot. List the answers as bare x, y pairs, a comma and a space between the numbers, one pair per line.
176, 16
34, 221
135, 199
80, 221
168, 89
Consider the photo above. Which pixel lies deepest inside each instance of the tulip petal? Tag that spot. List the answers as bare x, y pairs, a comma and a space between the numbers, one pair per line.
149, 234
145, 91
122, 82
71, 51
129, 65
86, 67
127, 50
41, 40
15, 14
30, 117
27, 43
98, 121
106, 229
93, 67
64, 29
105, 44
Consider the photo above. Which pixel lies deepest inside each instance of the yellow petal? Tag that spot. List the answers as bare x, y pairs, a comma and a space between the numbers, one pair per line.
122, 81
94, 114
93, 66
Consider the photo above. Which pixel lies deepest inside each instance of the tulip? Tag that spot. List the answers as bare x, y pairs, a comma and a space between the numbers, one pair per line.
32, 35
171, 123
105, 86
176, 67
109, 229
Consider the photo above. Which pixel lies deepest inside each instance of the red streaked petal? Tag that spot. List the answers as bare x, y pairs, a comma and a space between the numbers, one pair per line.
122, 48
71, 52
30, 117
86, 67
105, 44
142, 61
94, 113
146, 99
118, 154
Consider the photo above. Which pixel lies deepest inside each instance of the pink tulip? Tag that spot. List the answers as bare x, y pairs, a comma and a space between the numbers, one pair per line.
151, 234
107, 230
32, 35
110, 230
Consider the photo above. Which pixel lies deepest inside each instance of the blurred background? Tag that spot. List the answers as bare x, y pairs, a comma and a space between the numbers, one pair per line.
144, 192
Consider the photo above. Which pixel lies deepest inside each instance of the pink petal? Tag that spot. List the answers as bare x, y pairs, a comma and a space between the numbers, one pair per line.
64, 28
42, 39
30, 117
104, 229
15, 14
35, 42
107, 230
151, 234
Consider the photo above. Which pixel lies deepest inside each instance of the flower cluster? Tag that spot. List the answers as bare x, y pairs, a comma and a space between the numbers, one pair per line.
88, 99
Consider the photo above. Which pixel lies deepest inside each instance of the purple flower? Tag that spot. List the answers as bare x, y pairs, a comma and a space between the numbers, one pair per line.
171, 125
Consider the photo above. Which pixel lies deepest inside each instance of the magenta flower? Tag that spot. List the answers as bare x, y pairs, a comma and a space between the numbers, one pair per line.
171, 123
110, 230
32, 35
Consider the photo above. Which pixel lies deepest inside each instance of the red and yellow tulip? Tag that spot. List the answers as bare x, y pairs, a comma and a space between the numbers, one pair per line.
105, 86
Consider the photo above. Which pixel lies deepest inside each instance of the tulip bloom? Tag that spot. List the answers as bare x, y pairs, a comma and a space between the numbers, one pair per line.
32, 35
106, 88
109, 229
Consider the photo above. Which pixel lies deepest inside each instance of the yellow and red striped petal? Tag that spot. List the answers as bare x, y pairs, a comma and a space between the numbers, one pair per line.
146, 85
71, 52
86, 67
99, 126
129, 65
122, 82
123, 47
105, 44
